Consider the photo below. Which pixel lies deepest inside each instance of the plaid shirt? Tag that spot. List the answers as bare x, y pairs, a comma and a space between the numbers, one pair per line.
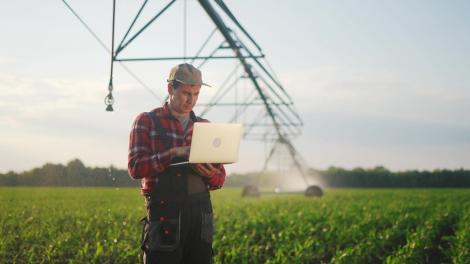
148, 156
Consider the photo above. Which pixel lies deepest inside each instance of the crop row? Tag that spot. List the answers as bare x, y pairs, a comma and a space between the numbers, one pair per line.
342, 229
67, 225
459, 252
378, 242
422, 246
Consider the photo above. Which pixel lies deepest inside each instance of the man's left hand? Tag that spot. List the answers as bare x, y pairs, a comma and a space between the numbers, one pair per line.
206, 170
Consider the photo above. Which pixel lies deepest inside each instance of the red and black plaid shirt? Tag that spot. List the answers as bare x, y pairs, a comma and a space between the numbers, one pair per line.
148, 155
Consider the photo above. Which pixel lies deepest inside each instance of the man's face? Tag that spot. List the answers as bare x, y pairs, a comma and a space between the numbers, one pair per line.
183, 98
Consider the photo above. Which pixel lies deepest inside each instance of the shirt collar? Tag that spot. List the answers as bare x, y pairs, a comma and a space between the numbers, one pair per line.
166, 112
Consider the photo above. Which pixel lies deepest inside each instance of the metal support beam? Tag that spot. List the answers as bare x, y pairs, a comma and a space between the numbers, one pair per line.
121, 47
185, 58
268, 95
207, 6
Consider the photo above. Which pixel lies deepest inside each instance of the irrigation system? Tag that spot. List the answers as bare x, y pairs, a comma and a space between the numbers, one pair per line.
268, 110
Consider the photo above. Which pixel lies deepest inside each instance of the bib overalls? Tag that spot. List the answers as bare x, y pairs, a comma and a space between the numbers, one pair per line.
179, 223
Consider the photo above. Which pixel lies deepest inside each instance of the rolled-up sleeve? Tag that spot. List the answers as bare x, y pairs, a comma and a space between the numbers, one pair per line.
217, 180
143, 162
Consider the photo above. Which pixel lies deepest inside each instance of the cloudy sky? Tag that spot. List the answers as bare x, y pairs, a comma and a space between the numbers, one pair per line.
375, 82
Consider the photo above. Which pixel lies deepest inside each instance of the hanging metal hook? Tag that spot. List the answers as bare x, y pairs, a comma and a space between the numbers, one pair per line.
109, 99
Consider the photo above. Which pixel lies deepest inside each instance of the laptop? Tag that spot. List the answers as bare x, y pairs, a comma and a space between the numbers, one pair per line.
214, 143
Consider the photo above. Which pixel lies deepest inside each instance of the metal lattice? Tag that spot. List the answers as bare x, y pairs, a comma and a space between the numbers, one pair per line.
266, 109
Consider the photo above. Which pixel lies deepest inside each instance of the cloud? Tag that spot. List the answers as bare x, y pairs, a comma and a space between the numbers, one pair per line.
359, 130
369, 117
61, 119
25, 99
344, 111
372, 93
37, 96
4, 61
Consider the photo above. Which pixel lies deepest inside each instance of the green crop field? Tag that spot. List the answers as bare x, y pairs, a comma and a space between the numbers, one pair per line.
101, 225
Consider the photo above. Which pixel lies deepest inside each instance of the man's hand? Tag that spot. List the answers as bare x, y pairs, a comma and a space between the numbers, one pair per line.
180, 152
206, 170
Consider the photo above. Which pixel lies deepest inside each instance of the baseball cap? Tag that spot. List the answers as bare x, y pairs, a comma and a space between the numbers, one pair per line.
186, 73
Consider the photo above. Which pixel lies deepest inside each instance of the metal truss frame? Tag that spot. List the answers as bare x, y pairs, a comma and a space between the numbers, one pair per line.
268, 93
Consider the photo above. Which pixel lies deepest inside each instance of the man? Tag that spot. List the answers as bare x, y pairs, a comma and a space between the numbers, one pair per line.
179, 223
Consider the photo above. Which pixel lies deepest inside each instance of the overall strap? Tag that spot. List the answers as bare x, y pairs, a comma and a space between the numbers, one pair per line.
161, 130
169, 186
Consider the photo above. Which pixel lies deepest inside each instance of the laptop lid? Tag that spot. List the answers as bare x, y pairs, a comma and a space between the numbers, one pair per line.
215, 143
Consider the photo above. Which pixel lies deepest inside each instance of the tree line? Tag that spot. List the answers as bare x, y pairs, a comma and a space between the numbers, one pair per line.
377, 177
381, 177
75, 173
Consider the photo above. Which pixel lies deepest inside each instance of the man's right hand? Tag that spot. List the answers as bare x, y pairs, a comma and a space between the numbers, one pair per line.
180, 152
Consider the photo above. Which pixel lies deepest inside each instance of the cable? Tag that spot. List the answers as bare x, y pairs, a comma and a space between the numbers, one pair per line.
109, 51
185, 10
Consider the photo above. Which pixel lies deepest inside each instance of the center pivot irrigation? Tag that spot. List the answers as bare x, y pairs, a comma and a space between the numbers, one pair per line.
266, 94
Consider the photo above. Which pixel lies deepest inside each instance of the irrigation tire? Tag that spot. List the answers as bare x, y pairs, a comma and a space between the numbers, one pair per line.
313, 191
250, 191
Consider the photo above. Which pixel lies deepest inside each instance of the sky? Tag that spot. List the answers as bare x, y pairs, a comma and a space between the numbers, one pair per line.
377, 83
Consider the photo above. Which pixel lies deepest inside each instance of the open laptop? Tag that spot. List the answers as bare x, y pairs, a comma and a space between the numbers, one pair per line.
214, 143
